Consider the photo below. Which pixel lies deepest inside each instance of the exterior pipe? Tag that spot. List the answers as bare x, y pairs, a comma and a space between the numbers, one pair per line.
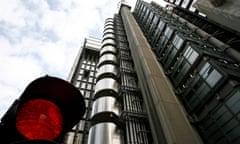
222, 46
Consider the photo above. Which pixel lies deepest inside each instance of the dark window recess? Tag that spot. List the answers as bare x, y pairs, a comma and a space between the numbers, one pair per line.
86, 73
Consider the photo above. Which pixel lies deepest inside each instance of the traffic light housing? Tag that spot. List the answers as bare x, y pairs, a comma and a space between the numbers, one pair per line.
47, 109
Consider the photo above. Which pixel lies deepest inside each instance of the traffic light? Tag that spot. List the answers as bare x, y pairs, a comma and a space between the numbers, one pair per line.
47, 109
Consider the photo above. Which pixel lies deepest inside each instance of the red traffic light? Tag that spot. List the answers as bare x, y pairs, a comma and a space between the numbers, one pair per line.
47, 109
39, 119
66, 99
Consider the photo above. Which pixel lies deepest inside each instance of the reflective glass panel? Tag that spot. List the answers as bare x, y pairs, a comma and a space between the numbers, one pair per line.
178, 41
168, 32
213, 78
204, 71
234, 102
191, 55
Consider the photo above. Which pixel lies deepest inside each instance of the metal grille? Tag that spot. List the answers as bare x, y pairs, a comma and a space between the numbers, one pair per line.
133, 114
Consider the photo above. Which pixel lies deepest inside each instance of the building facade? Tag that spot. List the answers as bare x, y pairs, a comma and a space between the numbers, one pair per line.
83, 77
158, 76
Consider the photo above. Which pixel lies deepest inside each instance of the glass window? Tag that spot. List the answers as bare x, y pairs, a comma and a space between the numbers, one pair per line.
193, 9
204, 71
91, 73
168, 32
89, 86
191, 55
82, 92
185, 3
177, 2
84, 79
144, 8
77, 84
234, 133
194, 55
146, 14
79, 77
218, 114
234, 102
87, 94
150, 15
81, 71
213, 78
86, 102
87, 67
90, 79
155, 19
161, 25
187, 52
178, 41
83, 85
230, 125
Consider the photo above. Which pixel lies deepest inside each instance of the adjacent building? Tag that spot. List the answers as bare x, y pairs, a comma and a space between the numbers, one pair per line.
159, 75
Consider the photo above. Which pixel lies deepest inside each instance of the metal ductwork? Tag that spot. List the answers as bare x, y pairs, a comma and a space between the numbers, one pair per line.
105, 133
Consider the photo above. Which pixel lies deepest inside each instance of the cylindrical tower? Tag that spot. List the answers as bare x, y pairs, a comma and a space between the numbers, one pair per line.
105, 126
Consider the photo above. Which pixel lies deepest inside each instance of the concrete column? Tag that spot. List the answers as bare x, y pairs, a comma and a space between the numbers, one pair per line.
167, 119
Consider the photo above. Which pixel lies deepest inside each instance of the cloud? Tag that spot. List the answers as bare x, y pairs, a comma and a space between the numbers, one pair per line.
39, 37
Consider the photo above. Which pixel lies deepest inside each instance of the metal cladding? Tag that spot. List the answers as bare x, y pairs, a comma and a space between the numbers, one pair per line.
105, 104
108, 26
108, 49
109, 36
106, 111
106, 86
108, 31
105, 133
107, 70
108, 19
109, 41
107, 59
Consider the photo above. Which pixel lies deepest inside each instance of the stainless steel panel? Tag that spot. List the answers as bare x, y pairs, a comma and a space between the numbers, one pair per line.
104, 105
105, 133
109, 35
108, 27
108, 42
108, 31
109, 19
107, 70
107, 58
106, 86
68, 139
108, 23
108, 48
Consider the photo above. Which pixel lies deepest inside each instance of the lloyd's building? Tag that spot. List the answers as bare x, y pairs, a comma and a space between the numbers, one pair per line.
161, 75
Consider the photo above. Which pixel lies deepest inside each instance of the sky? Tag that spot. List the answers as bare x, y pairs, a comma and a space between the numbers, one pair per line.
43, 37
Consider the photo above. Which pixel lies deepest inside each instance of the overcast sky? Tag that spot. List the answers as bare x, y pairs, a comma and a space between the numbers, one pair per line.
39, 37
